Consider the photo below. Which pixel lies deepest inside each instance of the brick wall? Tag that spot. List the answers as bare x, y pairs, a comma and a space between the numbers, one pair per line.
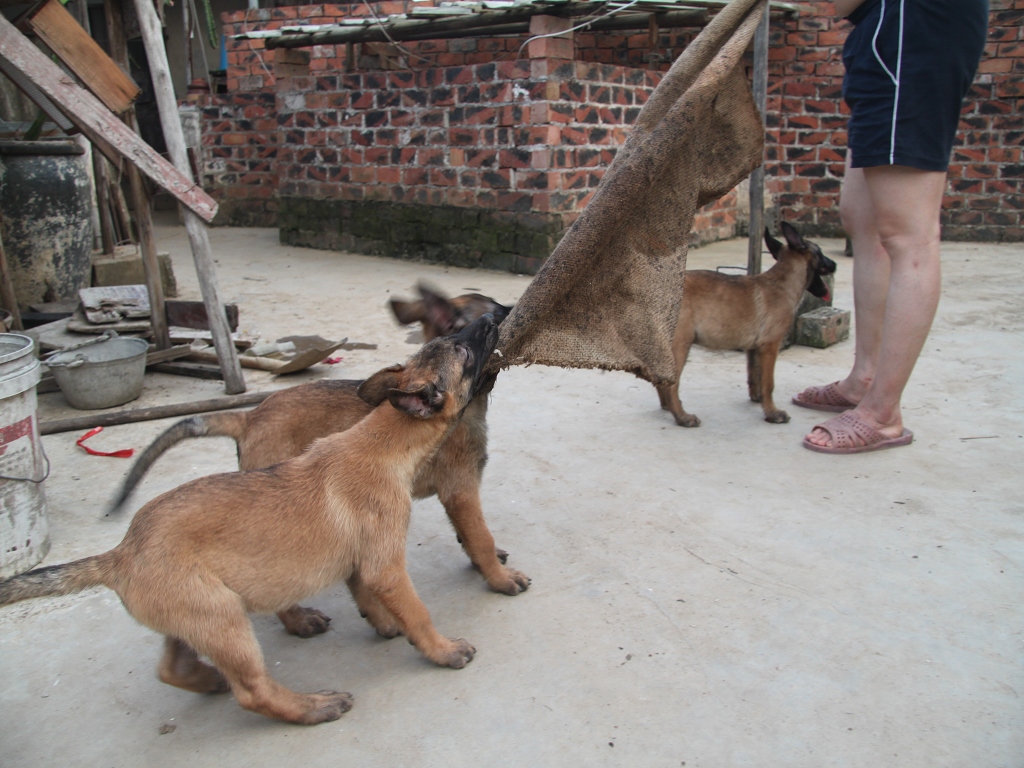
465, 125
481, 163
518, 145
239, 156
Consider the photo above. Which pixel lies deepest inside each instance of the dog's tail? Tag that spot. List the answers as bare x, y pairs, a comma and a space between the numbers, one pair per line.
222, 424
55, 580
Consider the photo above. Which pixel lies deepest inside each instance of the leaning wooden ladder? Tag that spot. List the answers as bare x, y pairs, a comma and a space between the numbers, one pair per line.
67, 103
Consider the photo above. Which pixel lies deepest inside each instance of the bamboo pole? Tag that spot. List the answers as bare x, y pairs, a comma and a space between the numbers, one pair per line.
199, 238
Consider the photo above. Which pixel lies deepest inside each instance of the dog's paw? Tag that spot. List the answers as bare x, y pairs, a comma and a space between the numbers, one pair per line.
304, 622
388, 631
219, 685
458, 656
327, 706
501, 554
385, 625
687, 420
511, 583
777, 417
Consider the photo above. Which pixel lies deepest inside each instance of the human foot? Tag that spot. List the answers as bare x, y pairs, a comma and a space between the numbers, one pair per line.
851, 433
829, 397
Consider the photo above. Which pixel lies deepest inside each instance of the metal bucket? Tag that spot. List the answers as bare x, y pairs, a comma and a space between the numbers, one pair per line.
24, 534
101, 373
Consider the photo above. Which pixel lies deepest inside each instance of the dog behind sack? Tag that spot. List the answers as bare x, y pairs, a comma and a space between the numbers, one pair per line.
749, 314
197, 559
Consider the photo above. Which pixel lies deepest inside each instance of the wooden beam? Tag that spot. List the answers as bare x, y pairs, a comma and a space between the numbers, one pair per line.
132, 415
62, 33
99, 170
499, 23
760, 89
7, 295
98, 124
29, 88
199, 238
140, 196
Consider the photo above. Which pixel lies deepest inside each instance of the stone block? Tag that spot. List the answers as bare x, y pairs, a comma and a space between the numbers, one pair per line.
823, 327
125, 268
809, 303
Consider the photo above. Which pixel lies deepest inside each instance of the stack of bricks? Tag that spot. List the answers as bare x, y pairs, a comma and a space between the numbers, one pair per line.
514, 145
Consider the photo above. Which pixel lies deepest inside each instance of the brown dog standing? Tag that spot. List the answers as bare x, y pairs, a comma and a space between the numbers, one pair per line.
751, 314
288, 422
197, 559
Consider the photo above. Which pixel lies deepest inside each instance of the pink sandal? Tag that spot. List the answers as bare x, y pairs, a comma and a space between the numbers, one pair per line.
826, 398
850, 434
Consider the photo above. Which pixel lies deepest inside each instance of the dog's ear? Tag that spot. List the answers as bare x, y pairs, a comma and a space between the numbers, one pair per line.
375, 389
422, 402
408, 312
792, 237
773, 245
440, 314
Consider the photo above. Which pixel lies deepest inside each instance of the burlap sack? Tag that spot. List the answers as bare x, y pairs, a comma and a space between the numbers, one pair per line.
608, 296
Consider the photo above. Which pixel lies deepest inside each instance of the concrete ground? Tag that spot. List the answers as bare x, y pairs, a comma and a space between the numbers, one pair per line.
706, 597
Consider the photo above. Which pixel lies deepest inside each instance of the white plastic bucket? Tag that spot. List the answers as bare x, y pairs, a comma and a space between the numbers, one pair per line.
24, 534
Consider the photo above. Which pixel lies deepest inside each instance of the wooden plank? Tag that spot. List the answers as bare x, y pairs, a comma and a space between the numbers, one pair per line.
132, 415
760, 88
257, 363
99, 169
29, 89
150, 262
99, 125
65, 37
496, 23
140, 196
199, 237
192, 314
156, 356
193, 370
7, 295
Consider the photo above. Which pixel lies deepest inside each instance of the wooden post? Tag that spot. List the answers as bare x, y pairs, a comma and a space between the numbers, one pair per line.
186, 25
757, 177
99, 169
199, 238
140, 197
150, 263
7, 295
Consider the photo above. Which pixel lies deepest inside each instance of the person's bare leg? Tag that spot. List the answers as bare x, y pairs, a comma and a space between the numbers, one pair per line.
905, 203
870, 282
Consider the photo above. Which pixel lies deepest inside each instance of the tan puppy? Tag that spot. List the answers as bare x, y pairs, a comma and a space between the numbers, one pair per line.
197, 559
751, 314
288, 422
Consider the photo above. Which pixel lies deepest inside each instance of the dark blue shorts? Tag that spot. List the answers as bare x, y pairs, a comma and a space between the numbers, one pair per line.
909, 64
